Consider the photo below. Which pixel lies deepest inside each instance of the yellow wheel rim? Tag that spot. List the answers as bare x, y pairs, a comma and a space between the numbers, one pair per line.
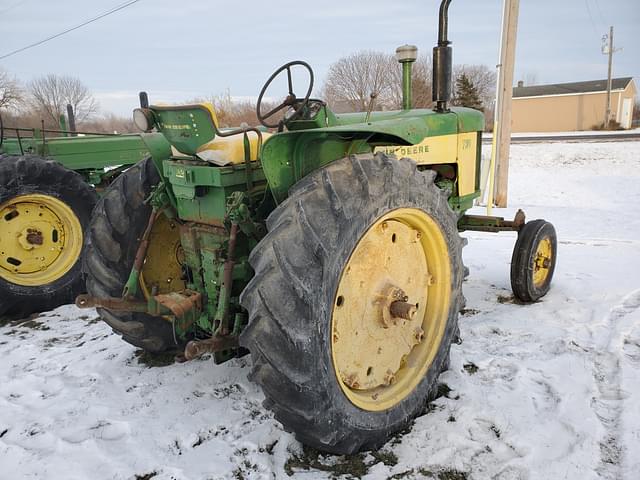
41, 239
162, 267
380, 358
542, 262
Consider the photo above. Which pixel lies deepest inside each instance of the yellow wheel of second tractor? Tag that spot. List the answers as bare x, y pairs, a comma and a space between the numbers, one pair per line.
44, 209
41, 239
354, 302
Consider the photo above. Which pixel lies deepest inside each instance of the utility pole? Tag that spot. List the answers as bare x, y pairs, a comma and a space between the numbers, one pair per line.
608, 49
502, 125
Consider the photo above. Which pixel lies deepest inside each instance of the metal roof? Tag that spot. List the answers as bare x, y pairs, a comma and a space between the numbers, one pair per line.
571, 88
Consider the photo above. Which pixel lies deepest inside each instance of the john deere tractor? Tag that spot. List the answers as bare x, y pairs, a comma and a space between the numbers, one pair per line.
49, 183
333, 261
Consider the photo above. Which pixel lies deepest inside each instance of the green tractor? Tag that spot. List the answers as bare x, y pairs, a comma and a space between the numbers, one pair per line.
49, 184
335, 263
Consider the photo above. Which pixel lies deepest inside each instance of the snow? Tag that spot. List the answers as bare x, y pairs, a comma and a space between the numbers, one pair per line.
543, 391
572, 133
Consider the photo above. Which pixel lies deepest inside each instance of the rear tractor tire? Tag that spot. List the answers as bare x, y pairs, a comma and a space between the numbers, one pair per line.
354, 302
117, 224
533, 261
44, 211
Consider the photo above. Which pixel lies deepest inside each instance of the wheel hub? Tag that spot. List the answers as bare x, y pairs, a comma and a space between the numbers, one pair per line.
41, 239
162, 270
542, 261
384, 306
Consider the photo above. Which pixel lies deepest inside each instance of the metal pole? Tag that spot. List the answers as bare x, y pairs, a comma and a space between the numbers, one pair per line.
406, 85
72, 120
607, 114
502, 131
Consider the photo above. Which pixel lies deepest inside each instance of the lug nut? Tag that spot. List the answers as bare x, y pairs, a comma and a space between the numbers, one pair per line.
389, 377
351, 380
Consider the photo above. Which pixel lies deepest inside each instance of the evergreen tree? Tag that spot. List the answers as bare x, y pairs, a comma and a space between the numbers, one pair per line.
467, 94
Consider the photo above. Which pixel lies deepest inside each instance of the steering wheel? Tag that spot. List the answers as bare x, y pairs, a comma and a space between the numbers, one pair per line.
297, 104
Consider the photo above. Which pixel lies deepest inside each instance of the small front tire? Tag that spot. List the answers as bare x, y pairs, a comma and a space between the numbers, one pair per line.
533, 261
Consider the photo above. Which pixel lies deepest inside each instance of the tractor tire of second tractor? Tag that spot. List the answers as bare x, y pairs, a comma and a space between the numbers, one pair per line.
117, 224
44, 211
352, 240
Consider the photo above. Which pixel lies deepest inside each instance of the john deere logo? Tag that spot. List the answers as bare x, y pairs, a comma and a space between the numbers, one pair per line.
466, 144
179, 172
413, 150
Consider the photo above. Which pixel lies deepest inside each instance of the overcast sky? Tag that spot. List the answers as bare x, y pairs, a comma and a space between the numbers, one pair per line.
182, 49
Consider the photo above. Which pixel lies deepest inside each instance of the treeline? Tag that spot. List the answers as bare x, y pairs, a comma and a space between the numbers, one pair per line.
352, 83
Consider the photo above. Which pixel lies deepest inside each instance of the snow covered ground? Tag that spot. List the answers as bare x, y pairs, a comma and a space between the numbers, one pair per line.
543, 391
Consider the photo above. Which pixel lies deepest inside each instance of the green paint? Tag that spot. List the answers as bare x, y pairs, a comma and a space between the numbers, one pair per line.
185, 127
90, 155
288, 157
406, 85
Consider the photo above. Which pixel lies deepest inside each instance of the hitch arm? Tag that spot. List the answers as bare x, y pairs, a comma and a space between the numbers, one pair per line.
484, 223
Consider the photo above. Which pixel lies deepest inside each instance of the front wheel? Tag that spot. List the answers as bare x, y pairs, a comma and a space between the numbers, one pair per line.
354, 303
533, 261
44, 210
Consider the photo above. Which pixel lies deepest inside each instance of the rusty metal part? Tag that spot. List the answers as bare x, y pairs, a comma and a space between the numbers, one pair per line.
222, 311
197, 348
483, 223
34, 237
390, 296
401, 309
131, 287
115, 304
144, 243
180, 303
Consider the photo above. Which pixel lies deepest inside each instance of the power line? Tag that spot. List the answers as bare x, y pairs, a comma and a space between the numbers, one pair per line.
600, 12
11, 7
593, 24
86, 22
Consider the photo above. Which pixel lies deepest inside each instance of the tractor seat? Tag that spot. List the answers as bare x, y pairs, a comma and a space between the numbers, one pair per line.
191, 131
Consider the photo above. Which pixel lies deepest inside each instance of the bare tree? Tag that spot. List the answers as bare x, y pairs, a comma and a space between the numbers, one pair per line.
51, 93
11, 94
352, 79
233, 112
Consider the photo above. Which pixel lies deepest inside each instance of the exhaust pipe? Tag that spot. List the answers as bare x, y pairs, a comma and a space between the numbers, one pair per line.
442, 62
72, 120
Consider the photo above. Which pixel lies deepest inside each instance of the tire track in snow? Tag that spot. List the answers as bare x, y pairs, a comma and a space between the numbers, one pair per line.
607, 373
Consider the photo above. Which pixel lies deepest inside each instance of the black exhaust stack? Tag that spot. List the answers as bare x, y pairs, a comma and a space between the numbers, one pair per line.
144, 99
72, 120
442, 62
